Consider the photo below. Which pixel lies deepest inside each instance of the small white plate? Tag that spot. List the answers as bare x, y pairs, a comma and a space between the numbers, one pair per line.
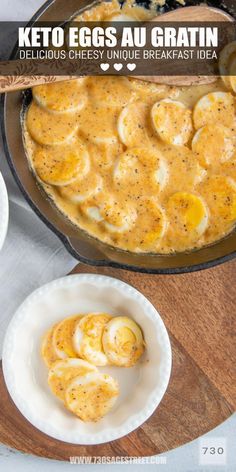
141, 387
4, 211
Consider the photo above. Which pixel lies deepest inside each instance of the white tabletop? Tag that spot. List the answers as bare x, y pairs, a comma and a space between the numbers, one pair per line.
214, 451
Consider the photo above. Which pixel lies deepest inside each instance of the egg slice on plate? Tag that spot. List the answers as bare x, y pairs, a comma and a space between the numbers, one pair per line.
91, 396
132, 124
69, 95
98, 124
219, 192
61, 165
226, 55
117, 216
48, 352
215, 107
123, 341
188, 216
110, 91
172, 121
213, 144
63, 337
88, 338
50, 128
154, 224
82, 190
62, 372
142, 170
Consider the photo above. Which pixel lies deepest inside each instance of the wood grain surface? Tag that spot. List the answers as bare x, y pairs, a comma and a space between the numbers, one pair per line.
199, 312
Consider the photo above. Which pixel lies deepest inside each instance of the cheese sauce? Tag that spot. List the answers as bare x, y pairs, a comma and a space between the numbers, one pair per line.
140, 166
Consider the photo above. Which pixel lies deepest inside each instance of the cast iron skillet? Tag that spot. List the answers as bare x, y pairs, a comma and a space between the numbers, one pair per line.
83, 247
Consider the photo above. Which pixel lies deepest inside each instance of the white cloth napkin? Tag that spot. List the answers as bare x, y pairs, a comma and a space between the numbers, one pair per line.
31, 256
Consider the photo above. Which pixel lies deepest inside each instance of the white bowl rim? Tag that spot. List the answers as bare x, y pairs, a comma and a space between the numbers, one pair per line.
136, 420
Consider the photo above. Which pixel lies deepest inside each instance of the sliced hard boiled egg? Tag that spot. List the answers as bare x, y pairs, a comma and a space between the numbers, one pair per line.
104, 156
172, 121
110, 91
63, 371
123, 341
215, 107
82, 190
48, 352
116, 216
49, 128
153, 217
152, 91
213, 144
61, 165
132, 124
63, 337
142, 170
98, 124
91, 396
188, 216
183, 168
219, 192
69, 95
88, 338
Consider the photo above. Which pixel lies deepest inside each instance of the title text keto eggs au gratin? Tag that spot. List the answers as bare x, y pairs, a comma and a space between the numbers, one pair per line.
140, 166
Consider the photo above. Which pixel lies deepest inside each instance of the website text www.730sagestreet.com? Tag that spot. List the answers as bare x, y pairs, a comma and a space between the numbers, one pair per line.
75, 460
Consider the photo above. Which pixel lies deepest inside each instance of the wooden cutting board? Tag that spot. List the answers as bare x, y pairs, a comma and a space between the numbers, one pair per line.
199, 312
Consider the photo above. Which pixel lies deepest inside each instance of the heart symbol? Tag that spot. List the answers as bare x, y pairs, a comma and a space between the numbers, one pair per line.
118, 67
104, 67
131, 67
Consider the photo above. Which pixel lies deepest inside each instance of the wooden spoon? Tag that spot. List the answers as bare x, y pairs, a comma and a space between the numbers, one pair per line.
195, 14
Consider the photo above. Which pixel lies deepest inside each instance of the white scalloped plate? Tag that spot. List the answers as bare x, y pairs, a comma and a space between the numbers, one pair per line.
4, 211
141, 387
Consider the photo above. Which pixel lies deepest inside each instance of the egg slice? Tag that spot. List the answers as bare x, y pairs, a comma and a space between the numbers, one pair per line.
172, 121
110, 91
184, 169
91, 396
88, 338
225, 57
49, 128
62, 372
188, 216
215, 107
104, 156
48, 352
213, 144
63, 337
98, 124
151, 225
228, 168
132, 124
219, 192
82, 190
149, 90
123, 341
141, 170
61, 165
116, 216
69, 95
